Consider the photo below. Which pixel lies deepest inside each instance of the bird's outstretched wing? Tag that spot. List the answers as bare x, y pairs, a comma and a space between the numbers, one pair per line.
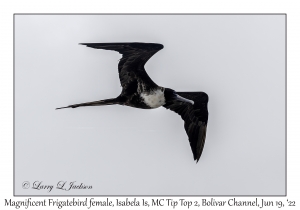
134, 57
195, 118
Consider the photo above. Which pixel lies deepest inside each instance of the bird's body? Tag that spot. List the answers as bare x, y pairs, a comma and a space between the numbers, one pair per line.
155, 98
139, 91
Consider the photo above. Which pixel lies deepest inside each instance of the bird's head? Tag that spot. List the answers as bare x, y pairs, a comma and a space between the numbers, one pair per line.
171, 95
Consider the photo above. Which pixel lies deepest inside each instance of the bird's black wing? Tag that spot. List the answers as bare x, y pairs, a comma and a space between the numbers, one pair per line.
134, 57
195, 118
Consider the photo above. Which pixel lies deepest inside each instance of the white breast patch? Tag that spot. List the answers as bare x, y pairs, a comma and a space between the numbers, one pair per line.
154, 99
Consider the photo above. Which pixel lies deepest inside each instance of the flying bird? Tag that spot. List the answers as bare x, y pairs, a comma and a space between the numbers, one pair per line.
139, 91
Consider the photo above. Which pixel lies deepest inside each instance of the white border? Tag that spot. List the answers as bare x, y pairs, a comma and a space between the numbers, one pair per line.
8, 8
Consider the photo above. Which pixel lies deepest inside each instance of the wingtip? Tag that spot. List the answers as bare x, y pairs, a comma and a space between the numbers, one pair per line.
92, 45
62, 107
197, 158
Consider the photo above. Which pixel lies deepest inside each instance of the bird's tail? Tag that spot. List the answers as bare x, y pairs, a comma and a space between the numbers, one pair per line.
94, 103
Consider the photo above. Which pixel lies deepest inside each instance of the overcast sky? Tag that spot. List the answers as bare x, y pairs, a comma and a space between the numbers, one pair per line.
239, 61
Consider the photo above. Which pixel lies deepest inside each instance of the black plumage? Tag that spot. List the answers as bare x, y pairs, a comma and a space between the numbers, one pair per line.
195, 118
139, 91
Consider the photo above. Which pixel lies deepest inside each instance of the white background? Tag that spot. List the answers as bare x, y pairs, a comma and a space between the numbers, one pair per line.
214, 6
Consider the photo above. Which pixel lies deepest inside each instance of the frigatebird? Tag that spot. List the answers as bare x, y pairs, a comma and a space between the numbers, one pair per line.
139, 91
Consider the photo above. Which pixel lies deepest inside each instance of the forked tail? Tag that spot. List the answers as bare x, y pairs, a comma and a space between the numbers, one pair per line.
94, 103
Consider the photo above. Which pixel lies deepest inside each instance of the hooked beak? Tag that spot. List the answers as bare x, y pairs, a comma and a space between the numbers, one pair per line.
179, 98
